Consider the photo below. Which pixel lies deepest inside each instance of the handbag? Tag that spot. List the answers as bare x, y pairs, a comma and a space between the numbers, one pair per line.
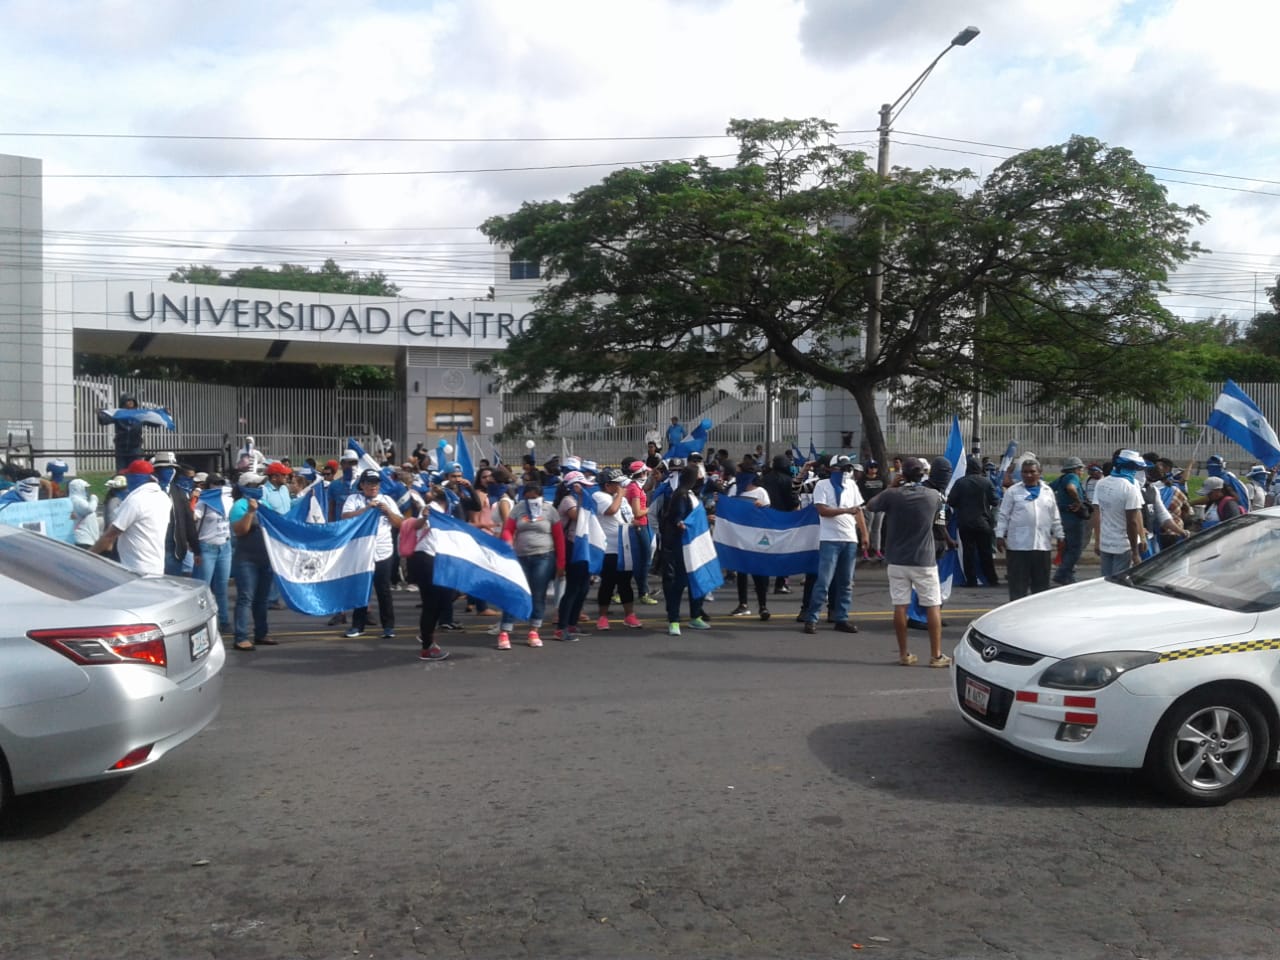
408, 545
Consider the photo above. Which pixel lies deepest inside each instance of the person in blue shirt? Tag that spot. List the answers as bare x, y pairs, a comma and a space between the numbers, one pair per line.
675, 433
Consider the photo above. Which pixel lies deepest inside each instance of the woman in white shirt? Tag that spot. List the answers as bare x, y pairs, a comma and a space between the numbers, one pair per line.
366, 498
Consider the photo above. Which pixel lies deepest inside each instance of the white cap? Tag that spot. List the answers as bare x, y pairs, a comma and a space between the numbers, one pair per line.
349, 455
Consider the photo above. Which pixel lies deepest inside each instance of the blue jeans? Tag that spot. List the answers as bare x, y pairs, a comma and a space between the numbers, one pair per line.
253, 583
215, 569
675, 580
1074, 530
1115, 562
836, 560
538, 569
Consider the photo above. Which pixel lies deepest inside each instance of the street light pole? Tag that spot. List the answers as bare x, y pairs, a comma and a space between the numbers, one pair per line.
888, 113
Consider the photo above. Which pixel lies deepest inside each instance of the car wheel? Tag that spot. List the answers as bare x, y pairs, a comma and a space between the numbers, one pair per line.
1210, 747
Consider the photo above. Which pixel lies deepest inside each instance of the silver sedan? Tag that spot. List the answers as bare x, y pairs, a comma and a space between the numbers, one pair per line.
102, 672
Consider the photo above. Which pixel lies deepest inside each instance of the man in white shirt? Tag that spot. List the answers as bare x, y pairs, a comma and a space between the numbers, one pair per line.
1028, 527
840, 524
139, 526
369, 497
1120, 536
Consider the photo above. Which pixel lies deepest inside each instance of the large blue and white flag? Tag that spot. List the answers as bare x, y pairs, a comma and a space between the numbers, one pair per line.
1238, 418
695, 442
588, 536
479, 565
955, 453
321, 568
700, 559
147, 416
764, 541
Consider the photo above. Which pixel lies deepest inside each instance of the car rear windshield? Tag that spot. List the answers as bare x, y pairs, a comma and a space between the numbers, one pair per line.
58, 569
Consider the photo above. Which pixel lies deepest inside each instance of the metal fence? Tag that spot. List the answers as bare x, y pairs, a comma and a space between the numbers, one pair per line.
292, 422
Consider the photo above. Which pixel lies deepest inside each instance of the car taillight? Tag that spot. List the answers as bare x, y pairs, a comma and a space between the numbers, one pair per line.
136, 643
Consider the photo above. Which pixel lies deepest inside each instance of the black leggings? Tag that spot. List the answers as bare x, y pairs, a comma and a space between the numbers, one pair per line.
382, 587
435, 600
762, 590
611, 578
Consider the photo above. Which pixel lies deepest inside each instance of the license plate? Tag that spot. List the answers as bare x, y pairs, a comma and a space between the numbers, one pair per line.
976, 695
199, 643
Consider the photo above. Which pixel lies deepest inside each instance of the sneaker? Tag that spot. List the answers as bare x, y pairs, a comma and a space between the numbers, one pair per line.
647, 600
337, 619
615, 598
697, 623
673, 630
494, 630
741, 610
940, 661
709, 598
534, 640
573, 636
764, 615
451, 626
558, 635
810, 627
353, 633
782, 589
433, 652
388, 634
907, 660
632, 621
879, 554
504, 641
602, 623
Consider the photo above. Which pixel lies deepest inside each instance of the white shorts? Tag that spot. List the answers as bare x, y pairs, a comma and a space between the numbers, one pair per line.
902, 579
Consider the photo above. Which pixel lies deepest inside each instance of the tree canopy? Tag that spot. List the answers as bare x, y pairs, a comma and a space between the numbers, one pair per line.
672, 276
330, 278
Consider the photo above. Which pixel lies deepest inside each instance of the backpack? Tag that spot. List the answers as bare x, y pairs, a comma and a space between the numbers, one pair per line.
407, 542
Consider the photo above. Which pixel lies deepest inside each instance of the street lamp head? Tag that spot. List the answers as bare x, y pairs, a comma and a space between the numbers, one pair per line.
964, 36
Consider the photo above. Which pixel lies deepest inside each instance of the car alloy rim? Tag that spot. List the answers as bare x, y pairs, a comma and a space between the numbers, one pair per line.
1212, 748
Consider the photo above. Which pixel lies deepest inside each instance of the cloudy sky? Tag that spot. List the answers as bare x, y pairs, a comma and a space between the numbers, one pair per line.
381, 132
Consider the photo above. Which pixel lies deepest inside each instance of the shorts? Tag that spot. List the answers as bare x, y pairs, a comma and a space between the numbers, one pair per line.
924, 580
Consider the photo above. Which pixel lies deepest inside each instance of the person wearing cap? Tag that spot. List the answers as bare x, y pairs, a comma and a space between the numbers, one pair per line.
137, 529
1219, 501
117, 490
1216, 466
344, 484
1028, 527
1093, 473
1119, 533
368, 497
913, 511
1075, 511
676, 508
180, 538
840, 526
533, 529
1256, 481
869, 484
275, 492
57, 471
84, 513
253, 572
615, 518
577, 581
638, 500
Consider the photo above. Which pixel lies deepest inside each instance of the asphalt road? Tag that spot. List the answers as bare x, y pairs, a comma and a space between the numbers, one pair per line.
744, 792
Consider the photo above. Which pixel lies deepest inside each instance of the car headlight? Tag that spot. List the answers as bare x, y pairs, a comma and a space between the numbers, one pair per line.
1094, 670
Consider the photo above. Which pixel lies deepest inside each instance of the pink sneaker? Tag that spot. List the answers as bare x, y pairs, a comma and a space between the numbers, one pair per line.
559, 634
602, 623
534, 639
633, 621
504, 641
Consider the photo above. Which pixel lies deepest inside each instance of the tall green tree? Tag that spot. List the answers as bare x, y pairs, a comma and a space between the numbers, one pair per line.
671, 276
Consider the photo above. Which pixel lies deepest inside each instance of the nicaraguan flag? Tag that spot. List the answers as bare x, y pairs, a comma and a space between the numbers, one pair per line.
321, 568
588, 535
463, 455
1010, 452
955, 453
218, 500
312, 505
695, 442
700, 559
479, 565
1238, 418
148, 416
764, 541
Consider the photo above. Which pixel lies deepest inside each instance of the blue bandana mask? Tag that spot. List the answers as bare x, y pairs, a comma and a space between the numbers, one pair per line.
1129, 473
165, 476
496, 490
133, 481
186, 484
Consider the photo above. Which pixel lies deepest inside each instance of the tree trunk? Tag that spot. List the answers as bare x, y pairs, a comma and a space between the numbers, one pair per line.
865, 397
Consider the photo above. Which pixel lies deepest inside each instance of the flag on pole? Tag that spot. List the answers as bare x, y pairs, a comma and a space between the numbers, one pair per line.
700, 559
763, 541
479, 565
321, 568
463, 456
312, 505
1010, 452
695, 442
366, 462
955, 453
1238, 418
147, 416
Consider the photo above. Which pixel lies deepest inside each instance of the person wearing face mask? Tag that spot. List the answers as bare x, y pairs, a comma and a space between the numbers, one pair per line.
841, 526
533, 529
1119, 535
84, 511
138, 527
180, 539
1216, 466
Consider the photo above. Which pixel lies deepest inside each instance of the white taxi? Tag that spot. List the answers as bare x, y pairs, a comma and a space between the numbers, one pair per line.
1172, 666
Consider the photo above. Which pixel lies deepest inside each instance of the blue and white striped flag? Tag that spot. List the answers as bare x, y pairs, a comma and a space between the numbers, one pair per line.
700, 559
147, 416
321, 568
462, 454
764, 541
955, 453
1010, 452
695, 442
1238, 418
479, 565
312, 505
588, 535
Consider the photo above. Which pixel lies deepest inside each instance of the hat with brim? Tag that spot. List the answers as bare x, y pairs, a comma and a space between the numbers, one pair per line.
1072, 463
1212, 483
1131, 458
165, 459
278, 469
370, 476
572, 477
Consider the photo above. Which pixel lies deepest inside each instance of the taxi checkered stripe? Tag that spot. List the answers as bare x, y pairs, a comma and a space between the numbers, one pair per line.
1243, 646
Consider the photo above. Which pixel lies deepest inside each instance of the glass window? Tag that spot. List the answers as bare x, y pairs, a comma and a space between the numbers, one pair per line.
525, 269
57, 568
